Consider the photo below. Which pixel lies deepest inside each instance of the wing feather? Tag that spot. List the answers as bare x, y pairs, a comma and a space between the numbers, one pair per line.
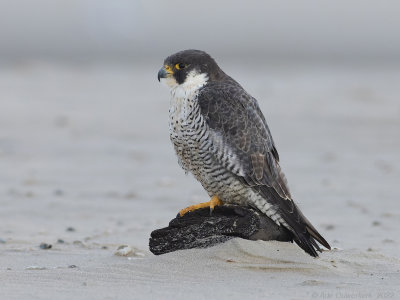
243, 144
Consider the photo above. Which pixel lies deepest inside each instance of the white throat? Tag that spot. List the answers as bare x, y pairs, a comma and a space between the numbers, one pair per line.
183, 99
194, 81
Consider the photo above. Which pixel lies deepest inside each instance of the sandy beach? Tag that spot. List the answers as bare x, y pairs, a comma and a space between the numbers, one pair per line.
87, 166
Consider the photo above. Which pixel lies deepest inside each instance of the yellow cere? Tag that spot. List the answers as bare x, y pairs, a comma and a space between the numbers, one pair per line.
168, 69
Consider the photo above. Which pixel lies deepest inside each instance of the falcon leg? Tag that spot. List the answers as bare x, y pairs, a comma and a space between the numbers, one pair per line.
214, 201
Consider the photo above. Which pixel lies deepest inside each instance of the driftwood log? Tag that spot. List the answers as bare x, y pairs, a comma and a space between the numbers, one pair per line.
200, 229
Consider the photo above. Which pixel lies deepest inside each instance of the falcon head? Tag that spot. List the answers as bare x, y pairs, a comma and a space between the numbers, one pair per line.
189, 69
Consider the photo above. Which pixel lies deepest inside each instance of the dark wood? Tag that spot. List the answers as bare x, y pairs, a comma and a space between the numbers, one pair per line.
199, 229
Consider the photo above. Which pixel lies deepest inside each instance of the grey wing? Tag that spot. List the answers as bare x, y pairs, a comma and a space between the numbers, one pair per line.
241, 138
242, 143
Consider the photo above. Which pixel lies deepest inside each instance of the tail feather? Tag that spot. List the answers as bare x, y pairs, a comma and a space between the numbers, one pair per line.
308, 245
304, 233
313, 232
308, 237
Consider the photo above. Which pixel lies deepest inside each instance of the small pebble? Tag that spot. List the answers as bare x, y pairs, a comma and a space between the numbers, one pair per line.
60, 241
125, 250
59, 192
79, 243
45, 246
72, 266
388, 241
329, 227
2, 241
376, 223
29, 194
71, 229
130, 195
35, 268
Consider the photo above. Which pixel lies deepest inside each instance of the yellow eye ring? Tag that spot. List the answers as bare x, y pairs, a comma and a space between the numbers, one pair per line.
180, 66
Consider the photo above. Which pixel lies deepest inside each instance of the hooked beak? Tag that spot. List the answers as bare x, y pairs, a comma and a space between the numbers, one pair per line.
162, 73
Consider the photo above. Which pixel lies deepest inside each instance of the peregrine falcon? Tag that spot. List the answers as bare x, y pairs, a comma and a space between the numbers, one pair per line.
220, 135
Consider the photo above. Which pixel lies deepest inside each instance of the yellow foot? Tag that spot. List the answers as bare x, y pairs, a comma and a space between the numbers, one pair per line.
214, 201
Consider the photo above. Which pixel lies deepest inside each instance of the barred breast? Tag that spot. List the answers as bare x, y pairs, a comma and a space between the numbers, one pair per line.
190, 136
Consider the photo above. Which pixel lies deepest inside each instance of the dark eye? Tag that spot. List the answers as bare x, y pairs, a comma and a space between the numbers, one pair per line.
180, 66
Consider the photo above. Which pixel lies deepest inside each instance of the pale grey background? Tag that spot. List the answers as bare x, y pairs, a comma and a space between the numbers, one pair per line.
312, 29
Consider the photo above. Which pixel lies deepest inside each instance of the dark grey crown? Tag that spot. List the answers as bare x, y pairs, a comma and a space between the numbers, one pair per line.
194, 60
